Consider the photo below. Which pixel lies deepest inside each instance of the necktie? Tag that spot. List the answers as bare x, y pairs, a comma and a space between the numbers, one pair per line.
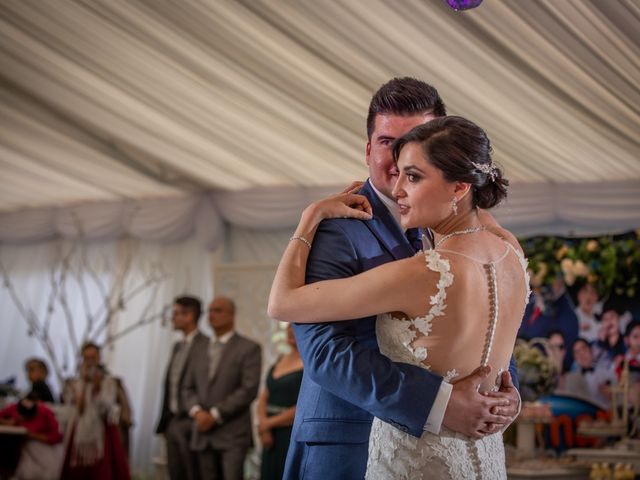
414, 237
215, 351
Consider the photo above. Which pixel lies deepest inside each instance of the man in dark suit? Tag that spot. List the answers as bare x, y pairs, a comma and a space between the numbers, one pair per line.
346, 379
175, 423
219, 387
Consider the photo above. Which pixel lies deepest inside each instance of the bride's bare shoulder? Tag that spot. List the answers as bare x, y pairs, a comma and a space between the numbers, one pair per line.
507, 236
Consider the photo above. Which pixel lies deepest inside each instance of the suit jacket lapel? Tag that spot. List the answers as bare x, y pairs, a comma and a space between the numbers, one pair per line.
167, 377
385, 227
187, 361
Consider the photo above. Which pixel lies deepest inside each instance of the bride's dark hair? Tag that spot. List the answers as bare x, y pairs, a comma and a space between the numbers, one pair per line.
453, 145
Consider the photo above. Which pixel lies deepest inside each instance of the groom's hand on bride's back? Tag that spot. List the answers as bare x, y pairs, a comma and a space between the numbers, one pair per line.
468, 411
510, 412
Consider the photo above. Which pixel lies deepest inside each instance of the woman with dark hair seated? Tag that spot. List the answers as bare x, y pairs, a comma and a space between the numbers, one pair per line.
37, 372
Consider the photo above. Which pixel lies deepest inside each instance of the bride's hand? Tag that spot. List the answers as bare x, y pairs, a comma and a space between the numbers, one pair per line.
342, 205
346, 204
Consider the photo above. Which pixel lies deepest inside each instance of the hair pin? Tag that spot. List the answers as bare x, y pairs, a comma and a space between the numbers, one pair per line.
487, 168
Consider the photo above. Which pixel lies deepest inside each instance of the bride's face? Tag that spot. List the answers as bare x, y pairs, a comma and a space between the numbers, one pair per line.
422, 193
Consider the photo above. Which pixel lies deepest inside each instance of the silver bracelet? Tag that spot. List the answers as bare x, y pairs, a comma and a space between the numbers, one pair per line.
302, 239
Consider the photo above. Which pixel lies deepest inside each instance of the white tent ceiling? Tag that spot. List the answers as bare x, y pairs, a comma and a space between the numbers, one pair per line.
121, 101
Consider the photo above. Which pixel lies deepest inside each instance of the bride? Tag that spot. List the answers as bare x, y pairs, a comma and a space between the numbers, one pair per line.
450, 308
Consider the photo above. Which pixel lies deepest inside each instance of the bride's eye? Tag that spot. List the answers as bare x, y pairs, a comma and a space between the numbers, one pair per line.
413, 178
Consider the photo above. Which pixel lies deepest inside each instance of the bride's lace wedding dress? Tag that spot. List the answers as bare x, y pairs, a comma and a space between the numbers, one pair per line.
475, 309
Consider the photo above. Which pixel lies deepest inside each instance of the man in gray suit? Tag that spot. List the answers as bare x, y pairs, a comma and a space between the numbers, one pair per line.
174, 422
219, 387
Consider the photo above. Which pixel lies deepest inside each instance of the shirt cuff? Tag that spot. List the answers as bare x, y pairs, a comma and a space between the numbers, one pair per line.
436, 415
216, 415
193, 410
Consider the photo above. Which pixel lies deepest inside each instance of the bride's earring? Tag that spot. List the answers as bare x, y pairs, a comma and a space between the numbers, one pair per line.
454, 206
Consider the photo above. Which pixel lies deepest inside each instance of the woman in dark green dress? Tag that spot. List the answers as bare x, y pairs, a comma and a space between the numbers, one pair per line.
277, 408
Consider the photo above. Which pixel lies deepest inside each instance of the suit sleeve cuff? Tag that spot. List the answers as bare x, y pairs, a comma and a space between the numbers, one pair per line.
215, 413
193, 410
436, 415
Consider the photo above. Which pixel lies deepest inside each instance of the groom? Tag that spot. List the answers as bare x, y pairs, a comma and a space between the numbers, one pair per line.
346, 379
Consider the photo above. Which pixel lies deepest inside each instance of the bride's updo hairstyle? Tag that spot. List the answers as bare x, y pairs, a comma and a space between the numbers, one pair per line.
453, 145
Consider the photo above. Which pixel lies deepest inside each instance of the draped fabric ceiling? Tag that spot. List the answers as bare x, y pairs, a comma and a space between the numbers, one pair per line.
163, 119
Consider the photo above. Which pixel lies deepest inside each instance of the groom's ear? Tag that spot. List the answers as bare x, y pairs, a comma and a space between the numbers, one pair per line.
367, 152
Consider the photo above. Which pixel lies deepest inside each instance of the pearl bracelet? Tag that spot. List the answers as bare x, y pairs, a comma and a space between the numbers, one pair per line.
302, 239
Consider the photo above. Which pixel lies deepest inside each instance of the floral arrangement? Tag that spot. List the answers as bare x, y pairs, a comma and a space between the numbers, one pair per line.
611, 264
279, 339
536, 371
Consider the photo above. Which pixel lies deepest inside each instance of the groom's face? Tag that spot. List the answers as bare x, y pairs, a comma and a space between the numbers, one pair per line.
379, 155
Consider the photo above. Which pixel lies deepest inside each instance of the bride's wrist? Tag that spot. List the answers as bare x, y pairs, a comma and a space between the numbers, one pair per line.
311, 217
308, 224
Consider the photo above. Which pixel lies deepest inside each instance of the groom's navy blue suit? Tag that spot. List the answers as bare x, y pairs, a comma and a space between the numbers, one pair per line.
346, 379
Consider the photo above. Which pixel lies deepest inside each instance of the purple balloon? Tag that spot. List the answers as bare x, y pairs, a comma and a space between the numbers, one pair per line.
463, 4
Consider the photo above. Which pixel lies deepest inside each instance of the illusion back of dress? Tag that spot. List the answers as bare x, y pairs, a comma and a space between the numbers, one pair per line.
474, 309
474, 312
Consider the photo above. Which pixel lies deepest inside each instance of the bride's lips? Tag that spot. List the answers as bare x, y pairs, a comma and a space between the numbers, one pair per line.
403, 209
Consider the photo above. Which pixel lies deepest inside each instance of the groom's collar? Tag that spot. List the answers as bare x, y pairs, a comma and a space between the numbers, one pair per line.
391, 206
384, 226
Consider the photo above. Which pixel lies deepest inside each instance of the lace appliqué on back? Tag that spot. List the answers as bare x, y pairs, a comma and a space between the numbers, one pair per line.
396, 335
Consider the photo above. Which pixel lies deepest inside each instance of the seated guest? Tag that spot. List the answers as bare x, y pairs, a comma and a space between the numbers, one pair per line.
589, 380
588, 307
277, 409
37, 373
558, 350
95, 447
174, 422
632, 356
40, 459
632, 342
219, 386
609, 347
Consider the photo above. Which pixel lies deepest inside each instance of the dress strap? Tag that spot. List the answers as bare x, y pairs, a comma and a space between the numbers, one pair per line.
474, 259
525, 270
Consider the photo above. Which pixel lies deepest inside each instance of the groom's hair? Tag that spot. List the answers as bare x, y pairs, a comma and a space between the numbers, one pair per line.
404, 96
